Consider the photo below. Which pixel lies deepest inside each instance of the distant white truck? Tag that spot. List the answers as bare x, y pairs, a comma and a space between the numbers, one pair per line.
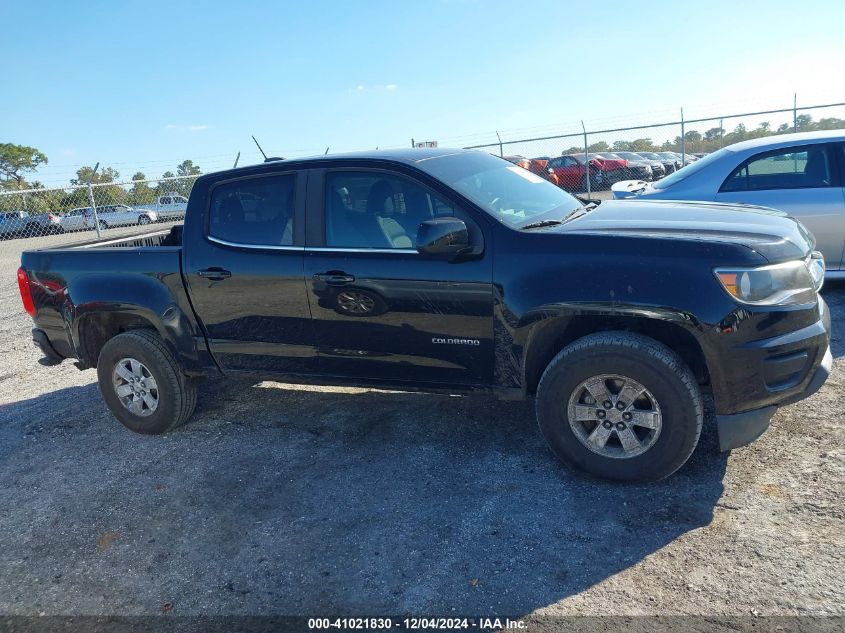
168, 207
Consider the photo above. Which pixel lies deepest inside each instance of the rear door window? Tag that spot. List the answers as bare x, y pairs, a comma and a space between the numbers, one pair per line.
786, 168
254, 211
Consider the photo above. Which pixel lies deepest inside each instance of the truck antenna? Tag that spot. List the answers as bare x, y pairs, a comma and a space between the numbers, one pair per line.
259, 148
326, 152
237, 158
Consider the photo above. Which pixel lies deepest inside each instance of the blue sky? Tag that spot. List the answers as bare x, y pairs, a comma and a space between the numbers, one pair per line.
144, 85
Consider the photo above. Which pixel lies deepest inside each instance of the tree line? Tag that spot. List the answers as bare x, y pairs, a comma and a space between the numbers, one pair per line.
713, 138
19, 162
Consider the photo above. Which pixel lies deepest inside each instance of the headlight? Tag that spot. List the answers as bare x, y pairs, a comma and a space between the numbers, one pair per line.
790, 283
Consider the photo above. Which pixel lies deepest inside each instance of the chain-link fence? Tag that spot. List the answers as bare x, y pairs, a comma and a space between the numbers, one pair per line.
589, 159
99, 209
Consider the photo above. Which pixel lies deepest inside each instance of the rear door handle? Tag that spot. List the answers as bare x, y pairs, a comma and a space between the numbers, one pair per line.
214, 274
335, 279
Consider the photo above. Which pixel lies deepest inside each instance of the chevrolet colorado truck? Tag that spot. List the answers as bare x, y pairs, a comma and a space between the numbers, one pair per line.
449, 270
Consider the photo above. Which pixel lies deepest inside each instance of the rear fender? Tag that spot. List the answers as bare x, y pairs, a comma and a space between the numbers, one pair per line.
100, 306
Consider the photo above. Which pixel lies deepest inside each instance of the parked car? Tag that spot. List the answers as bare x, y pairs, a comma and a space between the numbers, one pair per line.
74, 220
801, 174
539, 166
639, 169
112, 215
657, 168
668, 163
686, 159
168, 208
572, 171
22, 224
676, 160
451, 270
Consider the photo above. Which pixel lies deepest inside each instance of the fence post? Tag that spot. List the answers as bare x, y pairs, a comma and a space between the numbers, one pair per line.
795, 111
413, 145
91, 200
683, 141
586, 160
501, 151
721, 133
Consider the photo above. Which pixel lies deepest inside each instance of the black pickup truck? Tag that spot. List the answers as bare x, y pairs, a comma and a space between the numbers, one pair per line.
448, 270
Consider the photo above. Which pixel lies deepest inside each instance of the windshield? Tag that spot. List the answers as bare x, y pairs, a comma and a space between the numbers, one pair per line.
689, 170
512, 195
650, 155
668, 155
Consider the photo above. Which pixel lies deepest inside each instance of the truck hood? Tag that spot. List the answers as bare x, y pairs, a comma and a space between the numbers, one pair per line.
773, 234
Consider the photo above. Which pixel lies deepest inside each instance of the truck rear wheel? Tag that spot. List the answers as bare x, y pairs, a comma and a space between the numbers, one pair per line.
142, 383
620, 406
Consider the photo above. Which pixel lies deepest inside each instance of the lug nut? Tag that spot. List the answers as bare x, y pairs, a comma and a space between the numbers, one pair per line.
607, 424
608, 404
620, 405
601, 414
626, 416
620, 426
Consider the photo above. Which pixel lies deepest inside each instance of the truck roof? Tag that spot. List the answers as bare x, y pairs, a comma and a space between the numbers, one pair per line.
408, 156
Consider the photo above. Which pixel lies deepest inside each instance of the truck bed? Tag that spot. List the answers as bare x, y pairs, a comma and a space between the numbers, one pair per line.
78, 287
162, 237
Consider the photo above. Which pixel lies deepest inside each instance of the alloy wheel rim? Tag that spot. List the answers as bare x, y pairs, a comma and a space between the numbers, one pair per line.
614, 416
135, 386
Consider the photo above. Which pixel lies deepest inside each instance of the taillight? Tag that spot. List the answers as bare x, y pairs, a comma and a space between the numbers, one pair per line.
51, 217
26, 294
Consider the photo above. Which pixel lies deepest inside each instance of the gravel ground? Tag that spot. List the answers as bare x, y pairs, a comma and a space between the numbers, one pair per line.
284, 499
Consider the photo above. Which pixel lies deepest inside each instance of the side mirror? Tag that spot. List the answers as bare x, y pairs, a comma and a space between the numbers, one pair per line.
442, 236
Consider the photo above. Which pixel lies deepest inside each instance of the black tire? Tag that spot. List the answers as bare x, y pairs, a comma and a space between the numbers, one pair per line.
144, 219
655, 367
177, 396
103, 225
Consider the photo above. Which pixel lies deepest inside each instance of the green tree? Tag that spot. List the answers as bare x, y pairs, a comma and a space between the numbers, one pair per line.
164, 187
187, 168
803, 123
103, 176
642, 145
601, 146
714, 134
190, 171
830, 123
104, 191
140, 192
15, 162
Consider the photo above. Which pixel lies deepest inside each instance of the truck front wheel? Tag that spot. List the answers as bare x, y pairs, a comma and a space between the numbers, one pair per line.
620, 406
142, 384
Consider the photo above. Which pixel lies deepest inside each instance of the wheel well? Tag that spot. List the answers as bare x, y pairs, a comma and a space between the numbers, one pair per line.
94, 332
558, 332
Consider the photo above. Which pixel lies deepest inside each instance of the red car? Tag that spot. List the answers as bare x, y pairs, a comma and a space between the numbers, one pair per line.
539, 166
571, 171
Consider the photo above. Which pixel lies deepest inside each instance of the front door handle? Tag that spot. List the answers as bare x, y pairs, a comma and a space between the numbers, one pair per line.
335, 278
214, 274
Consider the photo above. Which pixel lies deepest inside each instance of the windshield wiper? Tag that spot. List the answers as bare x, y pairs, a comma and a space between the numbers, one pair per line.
541, 223
577, 212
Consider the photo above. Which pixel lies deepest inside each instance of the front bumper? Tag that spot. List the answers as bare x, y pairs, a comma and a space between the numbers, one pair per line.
772, 373
739, 429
